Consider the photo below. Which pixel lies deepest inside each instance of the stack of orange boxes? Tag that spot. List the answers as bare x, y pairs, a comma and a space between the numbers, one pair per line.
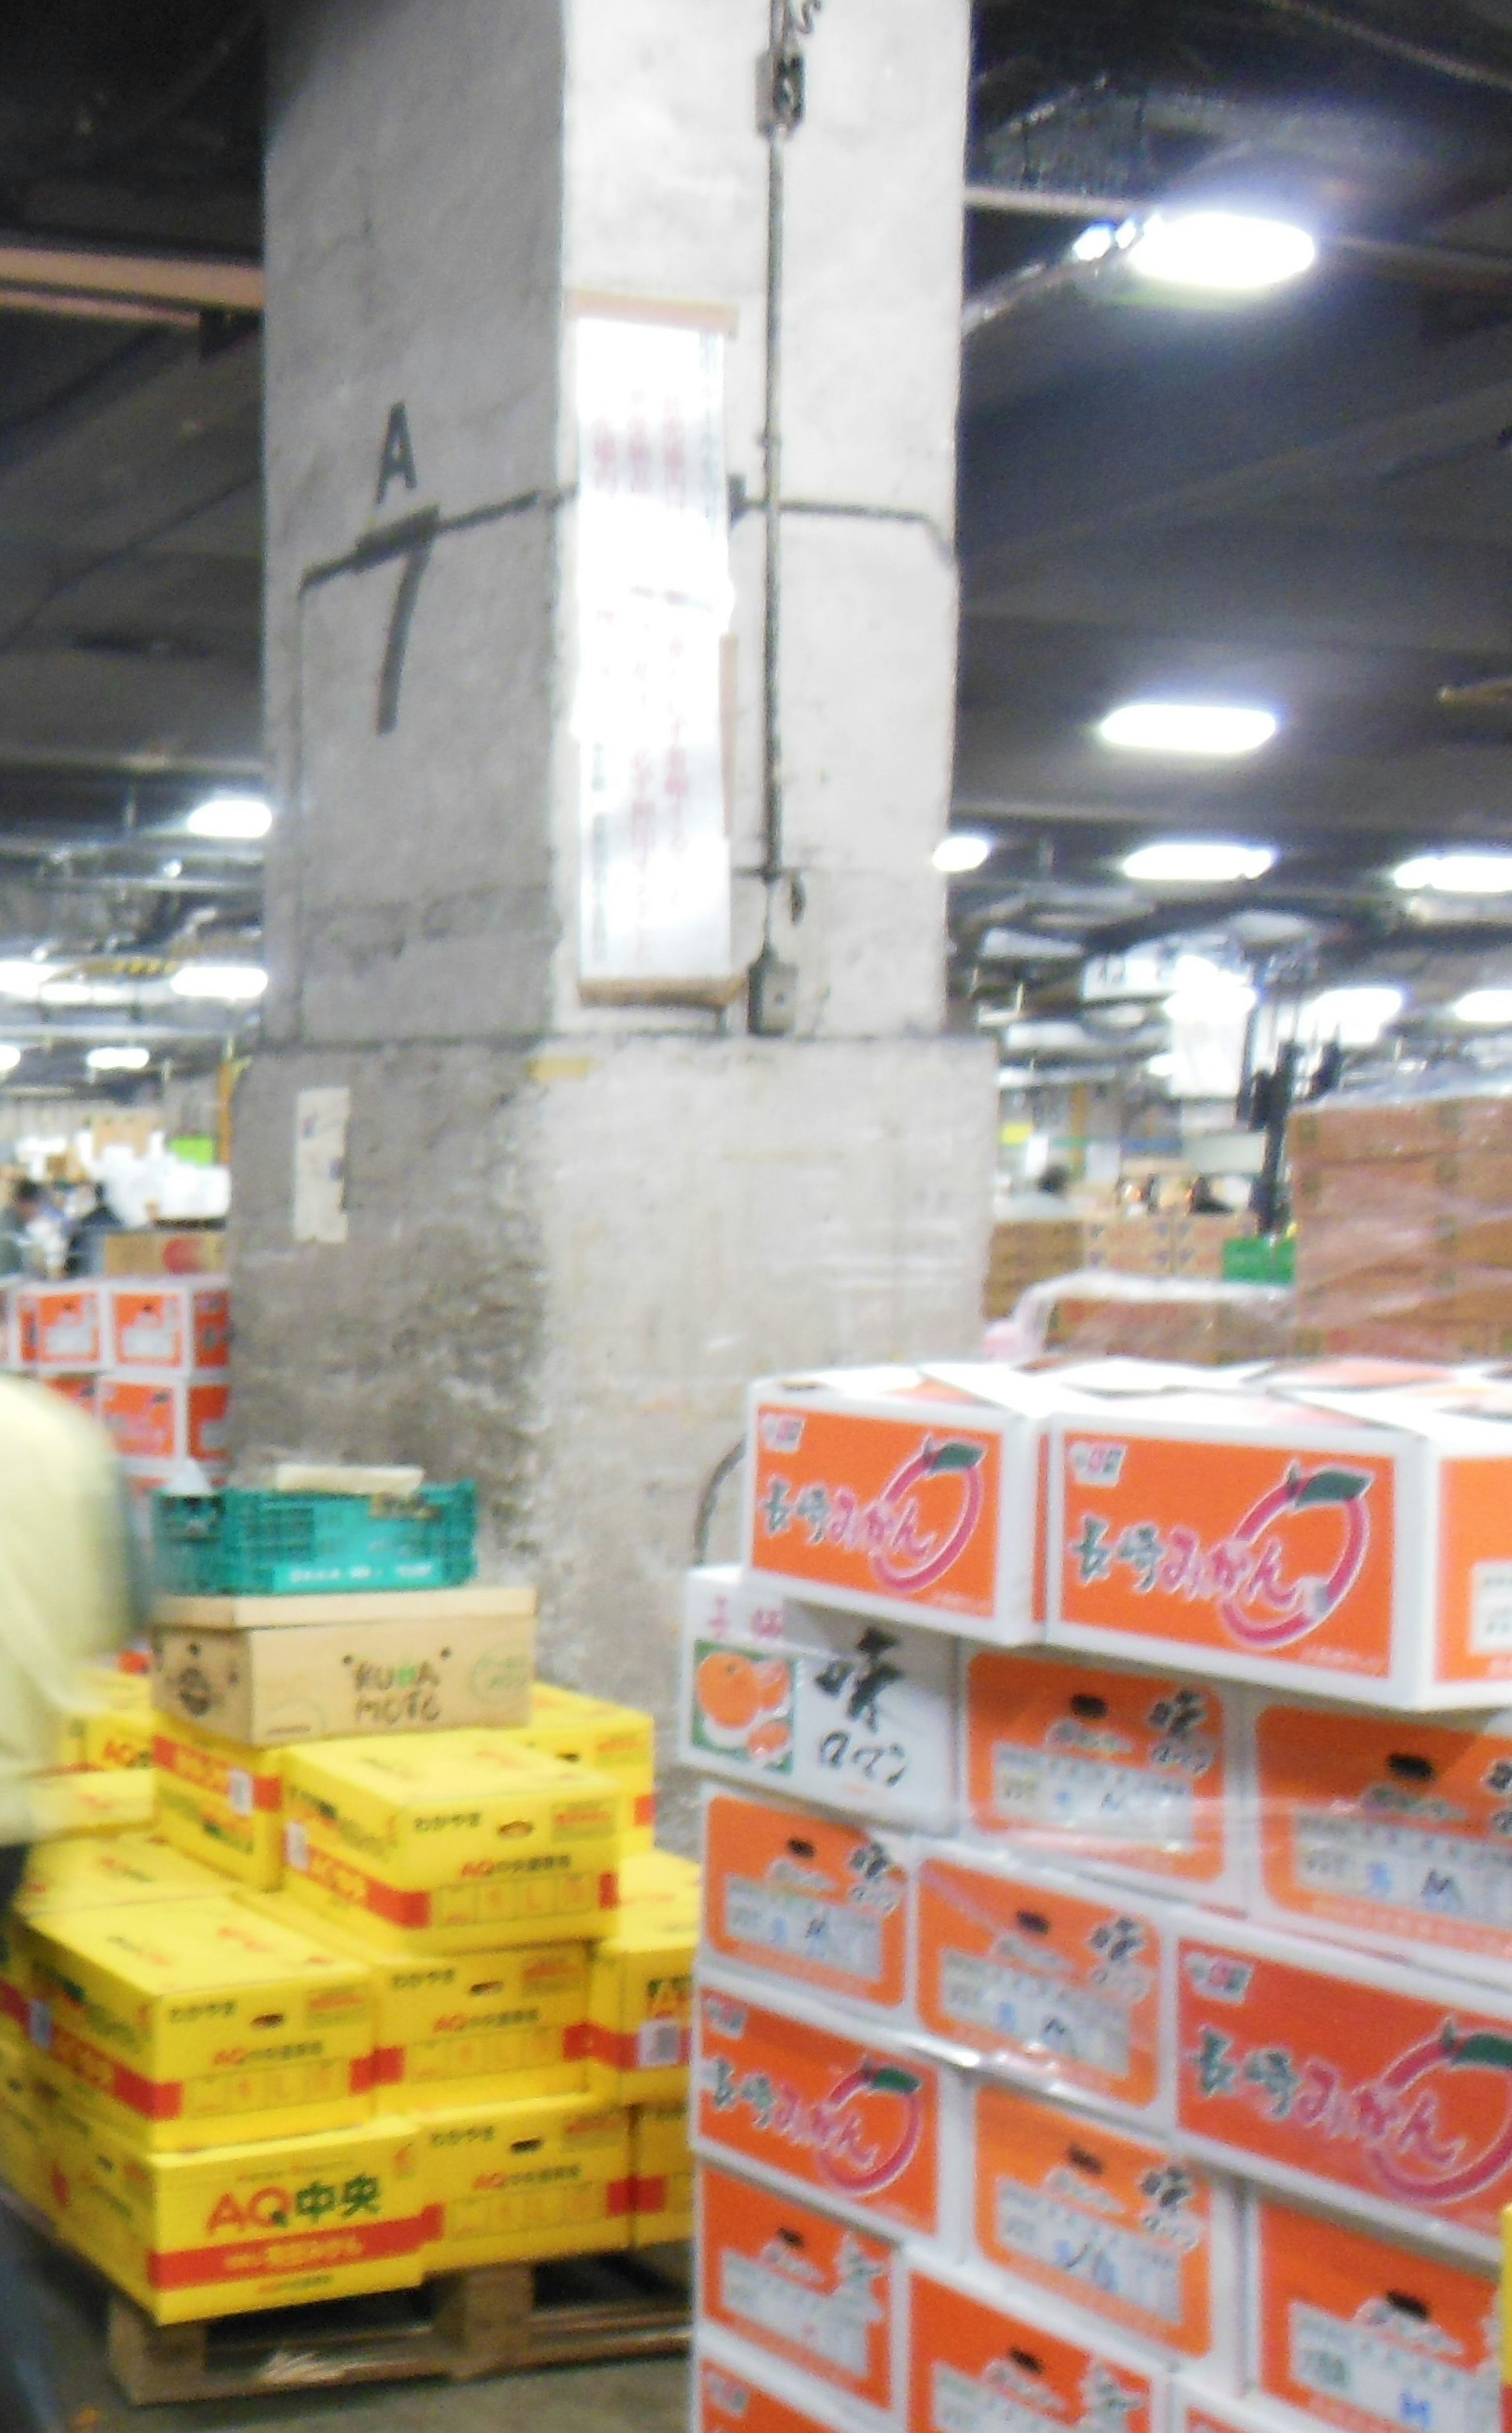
1105, 1995
149, 1356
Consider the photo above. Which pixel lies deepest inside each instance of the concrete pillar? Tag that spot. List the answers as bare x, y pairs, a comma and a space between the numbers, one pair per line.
574, 1227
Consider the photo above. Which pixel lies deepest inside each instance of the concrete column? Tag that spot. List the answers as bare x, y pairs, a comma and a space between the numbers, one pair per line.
573, 1229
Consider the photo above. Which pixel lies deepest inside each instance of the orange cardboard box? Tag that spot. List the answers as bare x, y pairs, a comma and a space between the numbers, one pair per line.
729, 2398
865, 2127
1130, 1773
805, 1896
181, 1329
1197, 2407
161, 1420
818, 1703
1056, 1980
1367, 2335
988, 2354
1343, 2078
1386, 1831
903, 1494
1108, 2221
61, 1326
785, 2278
82, 1390
1339, 1542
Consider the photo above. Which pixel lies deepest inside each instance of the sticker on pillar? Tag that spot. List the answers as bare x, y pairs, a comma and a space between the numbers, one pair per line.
320, 1121
653, 595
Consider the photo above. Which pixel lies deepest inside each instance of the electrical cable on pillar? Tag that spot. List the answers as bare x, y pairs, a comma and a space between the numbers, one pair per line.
771, 998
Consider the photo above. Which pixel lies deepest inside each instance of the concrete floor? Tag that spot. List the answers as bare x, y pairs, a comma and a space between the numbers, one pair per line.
650, 2397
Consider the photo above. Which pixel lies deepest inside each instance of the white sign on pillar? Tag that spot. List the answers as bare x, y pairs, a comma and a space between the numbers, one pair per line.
653, 604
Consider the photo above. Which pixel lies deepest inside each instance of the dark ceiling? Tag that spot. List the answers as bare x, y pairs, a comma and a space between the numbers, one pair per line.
1302, 501
131, 508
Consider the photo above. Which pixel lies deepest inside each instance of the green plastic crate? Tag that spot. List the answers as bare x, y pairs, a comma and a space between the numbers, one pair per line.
1261, 1259
251, 1542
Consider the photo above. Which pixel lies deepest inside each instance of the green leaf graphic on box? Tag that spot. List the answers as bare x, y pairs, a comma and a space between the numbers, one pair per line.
953, 1455
1331, 1486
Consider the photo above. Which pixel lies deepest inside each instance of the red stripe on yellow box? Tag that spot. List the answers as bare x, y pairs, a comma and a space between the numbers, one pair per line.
221, 1801
183, 2020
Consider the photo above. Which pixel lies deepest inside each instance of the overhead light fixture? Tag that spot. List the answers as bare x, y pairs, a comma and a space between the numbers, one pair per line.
1197, 730
1096, 242
25, 981
67, 991
962, 849
1472, 872
230, 819
1204, 991
1160, 1067
225, 983
1490, 1006
118, 1060
1197, 861
1228, 253
1354, 1016
11, 1056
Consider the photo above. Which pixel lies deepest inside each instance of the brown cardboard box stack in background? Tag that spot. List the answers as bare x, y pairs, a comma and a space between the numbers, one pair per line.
1030, 1250
1403, 1211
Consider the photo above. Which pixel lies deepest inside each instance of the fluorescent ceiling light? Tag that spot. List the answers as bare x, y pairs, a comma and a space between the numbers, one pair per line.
1205, 730
1228, 253
960, 850
87, 992
25, 980
1094, 242
11, 1056
1197, 861
1160, 1067
230, 819
227, 984
1486, 872
1492, 1006
1354, 1016
118, 1060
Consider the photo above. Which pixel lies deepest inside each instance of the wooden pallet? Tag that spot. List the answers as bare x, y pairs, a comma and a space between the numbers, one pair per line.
496, 2319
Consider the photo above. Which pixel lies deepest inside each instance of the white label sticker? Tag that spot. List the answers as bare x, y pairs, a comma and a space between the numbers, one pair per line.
1491, 1608
962, 2406
1388, 2379
1035, 2012
296, 1848
239, 1791
1104, 2256
1394, 1867
832, 2326
659, 2044
795, 1924
1073, 1794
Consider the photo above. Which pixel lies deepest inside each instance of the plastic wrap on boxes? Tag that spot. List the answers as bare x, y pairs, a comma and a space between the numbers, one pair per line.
1094, 1315
1403, 1208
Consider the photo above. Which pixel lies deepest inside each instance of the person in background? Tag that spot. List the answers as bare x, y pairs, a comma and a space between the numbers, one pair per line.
67, 1596
86, 1243
26, 1204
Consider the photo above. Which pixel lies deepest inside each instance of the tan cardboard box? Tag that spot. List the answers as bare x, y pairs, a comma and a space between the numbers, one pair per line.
272, 1670
197, 1250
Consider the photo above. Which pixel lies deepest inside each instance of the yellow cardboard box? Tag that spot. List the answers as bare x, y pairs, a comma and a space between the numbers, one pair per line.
107, 1871
641, 1986
609, 1739
513, 2182
517, 2018
186, 2020
450, 1842
221, 1801
234, 2228
112, 1727
24, 2154
661, 2175
93, 1803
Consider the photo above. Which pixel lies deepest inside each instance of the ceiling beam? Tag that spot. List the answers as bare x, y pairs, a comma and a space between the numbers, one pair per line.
97, 281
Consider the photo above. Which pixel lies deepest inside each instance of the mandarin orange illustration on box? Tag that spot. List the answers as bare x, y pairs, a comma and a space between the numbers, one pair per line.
1403, 2096
1247, 1547
888, 1507
848, 2119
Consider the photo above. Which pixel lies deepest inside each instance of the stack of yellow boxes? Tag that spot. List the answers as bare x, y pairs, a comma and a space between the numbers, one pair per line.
358, 2011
